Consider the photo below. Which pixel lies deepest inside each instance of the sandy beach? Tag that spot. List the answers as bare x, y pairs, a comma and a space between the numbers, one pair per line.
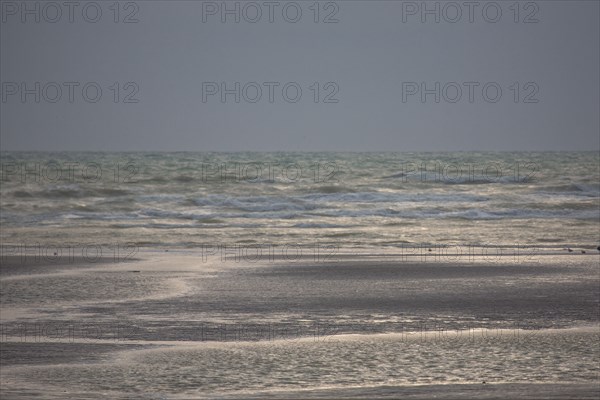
178, 325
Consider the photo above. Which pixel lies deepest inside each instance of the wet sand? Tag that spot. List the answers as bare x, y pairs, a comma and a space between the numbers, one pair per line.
478, 391
179, 327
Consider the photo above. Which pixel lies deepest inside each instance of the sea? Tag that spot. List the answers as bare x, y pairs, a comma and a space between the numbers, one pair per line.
351, 201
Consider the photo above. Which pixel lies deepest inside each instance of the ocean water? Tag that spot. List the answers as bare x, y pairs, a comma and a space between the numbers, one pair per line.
368, 201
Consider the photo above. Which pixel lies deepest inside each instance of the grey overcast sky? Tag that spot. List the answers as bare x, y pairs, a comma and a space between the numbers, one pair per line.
367, 81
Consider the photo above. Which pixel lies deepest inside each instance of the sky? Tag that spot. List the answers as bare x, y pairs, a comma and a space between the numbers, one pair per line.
300, 76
